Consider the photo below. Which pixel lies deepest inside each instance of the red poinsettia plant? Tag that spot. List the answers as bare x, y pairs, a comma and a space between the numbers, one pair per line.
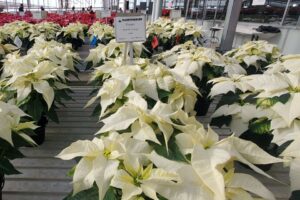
165, 12
62, 20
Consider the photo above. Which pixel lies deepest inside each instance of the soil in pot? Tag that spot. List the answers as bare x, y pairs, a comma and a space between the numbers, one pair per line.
76, 43
264, 141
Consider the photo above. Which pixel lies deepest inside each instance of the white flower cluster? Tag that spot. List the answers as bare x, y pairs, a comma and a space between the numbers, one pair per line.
101, 31
152, 147
43, 69
266, 104
257, 54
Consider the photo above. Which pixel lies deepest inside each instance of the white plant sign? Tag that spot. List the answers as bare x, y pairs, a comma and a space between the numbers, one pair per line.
105, 13
39, 14
130, 28
175, 14
258, 2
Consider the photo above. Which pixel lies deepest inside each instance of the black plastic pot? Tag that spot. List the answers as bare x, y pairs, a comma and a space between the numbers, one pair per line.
264, 141
76, 43
202, 105
39, 136
2, 181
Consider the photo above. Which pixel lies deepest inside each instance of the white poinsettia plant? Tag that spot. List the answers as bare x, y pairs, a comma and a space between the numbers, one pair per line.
20, 29
74, 30
46, 30
154, 81
263, 105
61, 54
39, 79
254, 56
4, 50
166, 28
203, 64
73, 33
112, 50
15, 126
161, 27
151, 146
103, 33
161, 153
168, 33
17, 33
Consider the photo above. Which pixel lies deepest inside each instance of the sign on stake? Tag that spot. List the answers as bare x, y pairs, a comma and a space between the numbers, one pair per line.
175, 14
130, 28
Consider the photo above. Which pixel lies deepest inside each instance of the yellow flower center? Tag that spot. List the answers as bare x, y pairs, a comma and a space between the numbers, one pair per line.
106, 153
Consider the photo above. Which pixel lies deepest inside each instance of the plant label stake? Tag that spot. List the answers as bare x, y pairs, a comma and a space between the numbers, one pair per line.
39, 14
175, 14
130, 28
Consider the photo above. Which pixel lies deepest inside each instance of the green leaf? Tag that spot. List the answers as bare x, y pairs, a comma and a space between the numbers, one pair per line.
251, 99
295, 195
228, 99
35, 106
52, 114
173, 153
161, 197
7, 168
19, 141
92, 194
71, 171
260, 126
282, 147
211, 72
94, 91
163, 95
112, 194
97, 110
221, 121
268, 102
63, 94
10, 152
89, 65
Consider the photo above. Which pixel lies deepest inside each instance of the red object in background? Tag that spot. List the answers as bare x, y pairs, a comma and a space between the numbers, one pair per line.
165, 12
28, 14
63, 20
178, 39
154, 42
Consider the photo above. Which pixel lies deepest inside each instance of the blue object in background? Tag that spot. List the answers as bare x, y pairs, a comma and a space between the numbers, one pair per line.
94, 41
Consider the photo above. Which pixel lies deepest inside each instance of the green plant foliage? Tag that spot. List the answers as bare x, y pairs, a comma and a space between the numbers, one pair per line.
221, 121
228, 99
295, 195
7, 168
269, 102
172, 153
92, 194
260, 126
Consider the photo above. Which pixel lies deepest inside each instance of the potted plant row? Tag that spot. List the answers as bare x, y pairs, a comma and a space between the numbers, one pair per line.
42, 85
151, 148
16, 126
262, 108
